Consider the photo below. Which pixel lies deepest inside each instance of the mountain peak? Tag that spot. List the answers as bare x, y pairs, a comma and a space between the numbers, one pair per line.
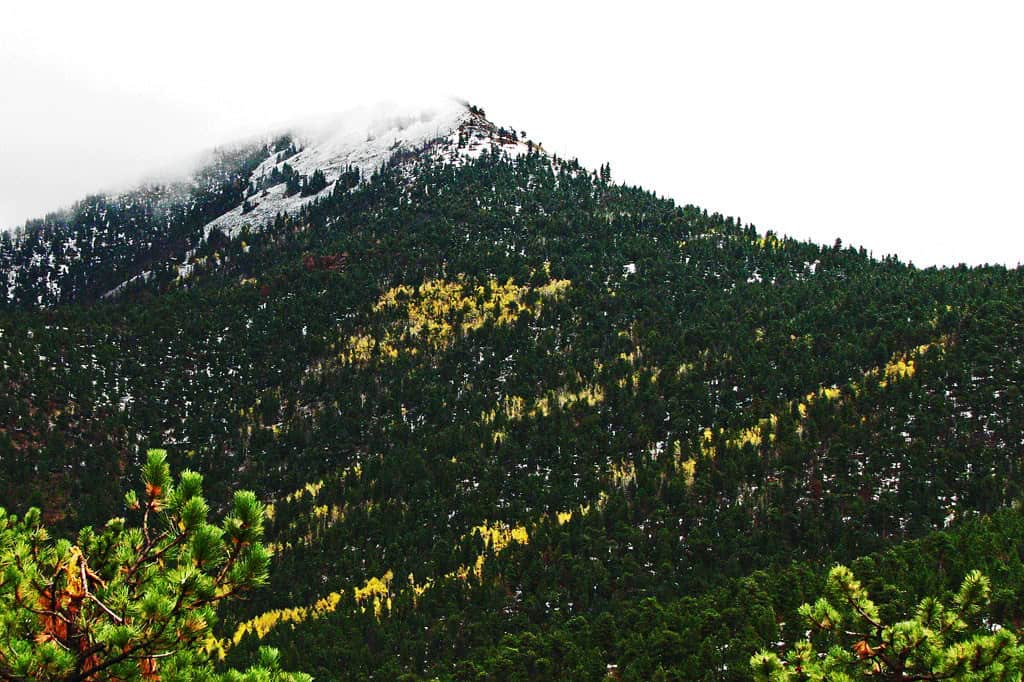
239, 187
364, 139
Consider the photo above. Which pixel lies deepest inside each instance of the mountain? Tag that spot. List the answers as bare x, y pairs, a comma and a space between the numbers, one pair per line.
513, 419
106, 243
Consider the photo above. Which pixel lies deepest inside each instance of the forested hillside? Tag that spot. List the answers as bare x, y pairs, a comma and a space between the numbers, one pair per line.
104, 242
514, 420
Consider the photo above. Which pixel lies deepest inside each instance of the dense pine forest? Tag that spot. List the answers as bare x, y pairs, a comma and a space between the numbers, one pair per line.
513, 420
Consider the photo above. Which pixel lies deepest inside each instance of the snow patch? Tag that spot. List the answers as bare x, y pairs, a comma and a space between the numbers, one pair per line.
363, 138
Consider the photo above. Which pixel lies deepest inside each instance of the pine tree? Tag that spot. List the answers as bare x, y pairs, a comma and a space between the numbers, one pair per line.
314, 184
937, 642
130, 602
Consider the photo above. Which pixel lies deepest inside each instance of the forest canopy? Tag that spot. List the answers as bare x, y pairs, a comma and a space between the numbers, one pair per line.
505, 419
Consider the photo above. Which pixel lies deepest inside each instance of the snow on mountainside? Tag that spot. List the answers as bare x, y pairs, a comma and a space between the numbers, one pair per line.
80, 252
107, 244
365, 139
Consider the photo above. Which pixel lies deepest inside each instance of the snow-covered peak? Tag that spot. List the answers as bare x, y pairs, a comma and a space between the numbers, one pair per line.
130, 237
364, 138
372, 132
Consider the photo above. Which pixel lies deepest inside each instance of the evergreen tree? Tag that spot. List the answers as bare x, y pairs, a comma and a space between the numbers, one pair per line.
851, 641
129, 602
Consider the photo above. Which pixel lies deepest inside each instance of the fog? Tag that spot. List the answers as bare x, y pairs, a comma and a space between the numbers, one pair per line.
895, 127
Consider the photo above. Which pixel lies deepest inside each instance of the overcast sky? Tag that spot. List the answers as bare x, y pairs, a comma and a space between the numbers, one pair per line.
892, 125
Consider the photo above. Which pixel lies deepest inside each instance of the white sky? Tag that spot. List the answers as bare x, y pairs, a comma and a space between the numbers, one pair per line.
898, 126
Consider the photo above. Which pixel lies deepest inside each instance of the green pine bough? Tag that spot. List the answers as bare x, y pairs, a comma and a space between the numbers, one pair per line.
131, 602
848, 640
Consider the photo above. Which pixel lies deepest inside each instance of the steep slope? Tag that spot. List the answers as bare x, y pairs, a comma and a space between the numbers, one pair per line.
108, 244
362, 141
516, 421
83, 252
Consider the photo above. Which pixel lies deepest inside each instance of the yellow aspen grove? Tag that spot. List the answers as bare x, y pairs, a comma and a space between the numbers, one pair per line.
901, 366
377, 593
433, 315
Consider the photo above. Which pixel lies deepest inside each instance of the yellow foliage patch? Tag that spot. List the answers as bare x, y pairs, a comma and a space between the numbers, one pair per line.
325, 515
514, 408
687, 468
433, 315
749, 436
901, 366
623, 473
499, 536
